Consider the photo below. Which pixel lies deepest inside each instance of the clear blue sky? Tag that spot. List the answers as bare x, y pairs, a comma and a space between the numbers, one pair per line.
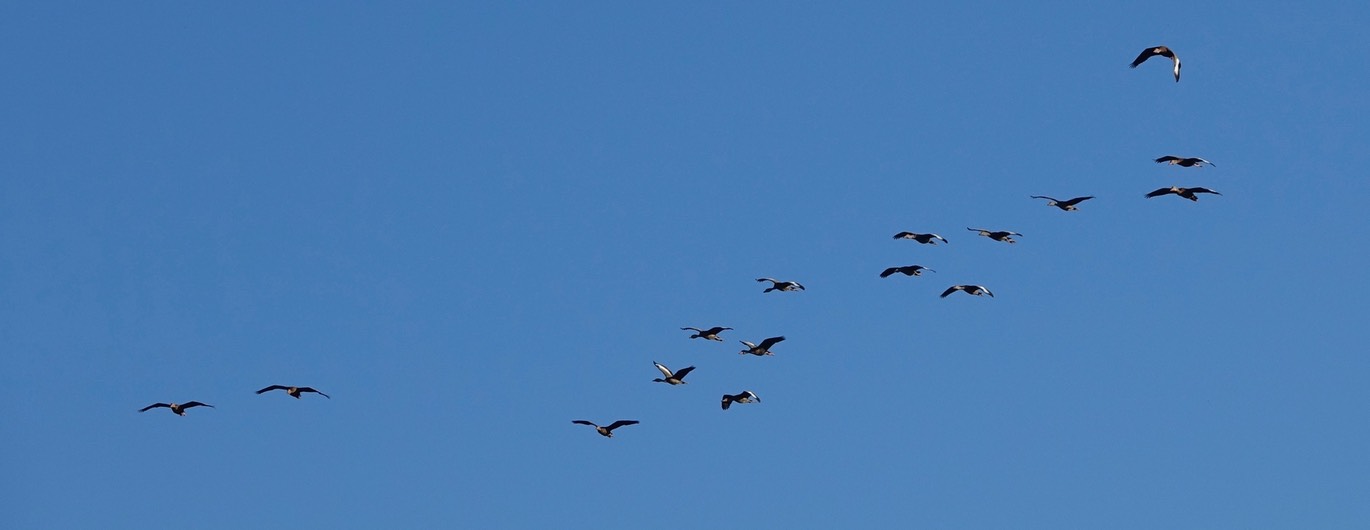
471, 224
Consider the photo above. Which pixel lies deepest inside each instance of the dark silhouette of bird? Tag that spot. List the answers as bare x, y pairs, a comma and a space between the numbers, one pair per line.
760, 349
747, 396
178, 408
1161, 51
777, 285
292, 391
607, 432
1068, 206
710, 334
977, 290
907, 270
677, 378
1192, 161
1187, 193
921, 238
997, 235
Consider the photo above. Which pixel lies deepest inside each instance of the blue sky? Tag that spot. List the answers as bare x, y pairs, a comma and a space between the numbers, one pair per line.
471, 224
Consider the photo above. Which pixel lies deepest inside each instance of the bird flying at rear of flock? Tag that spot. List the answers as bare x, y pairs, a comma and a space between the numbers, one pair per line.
676, 378
710, 334
777, 285
760, 349
1068, 206
921, 238
747, 396
607, 432
977, 290
1163, 52
907, 270
998, 235
1192, 161
292, 391
1187, 193
178, 408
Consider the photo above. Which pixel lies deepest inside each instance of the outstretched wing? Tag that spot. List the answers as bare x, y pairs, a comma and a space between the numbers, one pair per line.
716, 330
766, 344
683, 372
1076, 200
905, 235
272, 387
727, 401
1203, 190
747, 344
768, 280
1045, 197
1146, 54
952, 289
1168, 159
309, 389
696, 330
889, 271
583, 422
665, 372
620, 423
195, 404
153, 406
752, 394
1160, 192
1205, 161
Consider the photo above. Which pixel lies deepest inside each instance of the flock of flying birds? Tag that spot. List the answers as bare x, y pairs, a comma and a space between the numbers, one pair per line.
677, 377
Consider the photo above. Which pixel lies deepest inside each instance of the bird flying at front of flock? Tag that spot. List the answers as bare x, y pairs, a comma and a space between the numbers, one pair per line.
178, 408
907, 270
710, 334
921, 238
1163, 52
977, 290
1192, 161
997, 235
292, 391
606, 431
747, 396
1067, 205
760, 349
777, 285
1188, 193
672, 378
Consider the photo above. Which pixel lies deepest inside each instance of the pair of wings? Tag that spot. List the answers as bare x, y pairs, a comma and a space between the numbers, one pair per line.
168, 405
918, 236
967, 288
1071, 202
1181, 191
711, 331
765, 344
666, 372
908, 270
994, 233
286, 388
609, 427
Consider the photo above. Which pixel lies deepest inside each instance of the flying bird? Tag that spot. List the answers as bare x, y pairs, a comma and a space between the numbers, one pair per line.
1068, 206
710, 334
1187, 193
747, 396
1193, 161
1163, 52
777, 285
907, 270
760, 349
1004, 236
977, 290
677, 378
292, 391
607, 432
178, 408
921, 238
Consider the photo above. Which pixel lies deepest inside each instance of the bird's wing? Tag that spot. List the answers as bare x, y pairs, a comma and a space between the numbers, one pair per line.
1077, 200
944, 240
727, 401
1160, 192
1205, 161
270, 388
1146, 54
620, 423
1167, 158
981, 230
696, 330
888, 272
1175, 58
311, 389
753, 395
799, 285
717, 329
1203, 190
195, 404
153, 406
665, 372
767, 280
905, 235
952, 289
766, 344
747, 344
1045, 197
982, 288
583, 422
683, 372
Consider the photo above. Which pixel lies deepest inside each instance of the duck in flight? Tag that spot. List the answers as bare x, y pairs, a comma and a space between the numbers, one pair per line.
747, 396
178, 408
1192, 161
607, 431
1068, 206
921, 238
977, 290
907, 270
997, 235
777, 285
710, 334
292, 391
1187, 193
1161, 51
760, 349
676, 378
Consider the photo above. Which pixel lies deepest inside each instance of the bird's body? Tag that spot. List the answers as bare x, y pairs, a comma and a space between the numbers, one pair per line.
1188, 193
977, 290
676, 378
907, 270
1068, 205
607, 431
292, 391
1192, 161
1163, 52
710, 334
760, 349
997, 235
747, 396
777, 285
178, 408
921, 238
